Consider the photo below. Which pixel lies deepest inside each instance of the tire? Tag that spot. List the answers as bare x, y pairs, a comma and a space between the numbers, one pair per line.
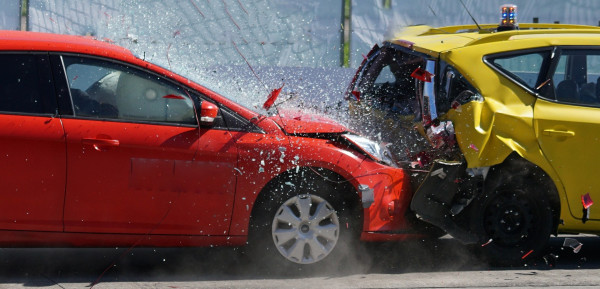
516, 218
302, 224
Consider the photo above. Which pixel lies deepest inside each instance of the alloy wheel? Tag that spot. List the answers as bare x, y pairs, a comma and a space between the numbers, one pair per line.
305, 229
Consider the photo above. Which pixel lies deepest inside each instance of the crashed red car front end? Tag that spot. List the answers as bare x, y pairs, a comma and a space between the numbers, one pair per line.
385, 218
295, 142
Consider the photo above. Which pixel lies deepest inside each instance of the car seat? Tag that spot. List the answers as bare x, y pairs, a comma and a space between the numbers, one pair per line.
83, 104
566, 91
140, 98
587, 93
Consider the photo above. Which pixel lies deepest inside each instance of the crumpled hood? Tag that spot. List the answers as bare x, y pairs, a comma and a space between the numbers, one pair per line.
296, 122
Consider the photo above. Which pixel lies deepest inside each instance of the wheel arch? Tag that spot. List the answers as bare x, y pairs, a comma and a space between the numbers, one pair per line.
304, 176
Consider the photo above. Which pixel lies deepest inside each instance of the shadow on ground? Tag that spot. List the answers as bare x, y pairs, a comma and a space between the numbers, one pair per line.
48, 266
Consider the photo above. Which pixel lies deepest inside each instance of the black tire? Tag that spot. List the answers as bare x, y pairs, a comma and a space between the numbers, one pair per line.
517, 219
343, 221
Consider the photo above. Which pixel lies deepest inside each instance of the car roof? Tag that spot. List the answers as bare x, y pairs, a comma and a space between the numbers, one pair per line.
39, 41
433, 41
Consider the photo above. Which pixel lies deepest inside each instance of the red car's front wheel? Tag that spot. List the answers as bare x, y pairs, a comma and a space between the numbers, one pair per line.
304, 221
305, 229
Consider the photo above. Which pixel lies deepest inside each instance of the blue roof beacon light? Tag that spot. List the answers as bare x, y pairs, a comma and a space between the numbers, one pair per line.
508, 17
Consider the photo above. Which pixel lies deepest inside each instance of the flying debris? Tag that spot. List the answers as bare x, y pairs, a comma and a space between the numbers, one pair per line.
272, 97
572, 243
586, 201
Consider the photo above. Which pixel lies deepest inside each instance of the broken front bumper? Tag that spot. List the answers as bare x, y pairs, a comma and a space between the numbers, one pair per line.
385, 194
444, 194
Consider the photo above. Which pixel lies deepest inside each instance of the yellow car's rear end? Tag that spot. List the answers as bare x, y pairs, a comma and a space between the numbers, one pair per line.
498, 126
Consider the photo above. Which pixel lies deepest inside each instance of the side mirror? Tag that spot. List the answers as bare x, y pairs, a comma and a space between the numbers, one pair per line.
208, 113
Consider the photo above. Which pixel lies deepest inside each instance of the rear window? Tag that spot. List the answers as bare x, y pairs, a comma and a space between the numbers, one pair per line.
523, 68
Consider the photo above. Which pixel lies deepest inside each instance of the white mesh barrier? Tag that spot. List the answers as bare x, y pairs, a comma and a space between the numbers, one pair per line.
10, 15
243, 49
206, 32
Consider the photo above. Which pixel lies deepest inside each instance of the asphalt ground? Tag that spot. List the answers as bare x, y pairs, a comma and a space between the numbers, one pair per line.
443, 263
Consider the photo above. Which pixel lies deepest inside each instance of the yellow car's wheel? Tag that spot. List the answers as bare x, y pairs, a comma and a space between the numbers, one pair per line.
514, 220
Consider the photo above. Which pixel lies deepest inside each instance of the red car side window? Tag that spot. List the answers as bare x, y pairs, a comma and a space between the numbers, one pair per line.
102, 89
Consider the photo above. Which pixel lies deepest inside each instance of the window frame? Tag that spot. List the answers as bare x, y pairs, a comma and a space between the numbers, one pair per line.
542, 75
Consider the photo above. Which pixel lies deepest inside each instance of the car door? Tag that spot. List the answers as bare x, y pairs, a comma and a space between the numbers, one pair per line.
568, 126
137, 161
32, 146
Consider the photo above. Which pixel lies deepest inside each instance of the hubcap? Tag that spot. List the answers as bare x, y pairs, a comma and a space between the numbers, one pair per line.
509, 219
305, 229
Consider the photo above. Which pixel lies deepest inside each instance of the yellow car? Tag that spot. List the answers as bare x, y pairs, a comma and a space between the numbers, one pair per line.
498, 125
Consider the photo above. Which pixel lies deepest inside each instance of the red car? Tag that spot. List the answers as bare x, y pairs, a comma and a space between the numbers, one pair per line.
99, 148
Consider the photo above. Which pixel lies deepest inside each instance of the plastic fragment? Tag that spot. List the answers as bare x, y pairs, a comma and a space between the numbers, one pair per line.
441, 134
550, 260
473, 147
422, 75
527, 254
572, 243
456, 106
356, 94
587, 201
440, 173
487, 243
272, 97
173, 96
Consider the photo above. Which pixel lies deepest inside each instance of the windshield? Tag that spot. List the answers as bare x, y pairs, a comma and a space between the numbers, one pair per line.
385, 81
389, 97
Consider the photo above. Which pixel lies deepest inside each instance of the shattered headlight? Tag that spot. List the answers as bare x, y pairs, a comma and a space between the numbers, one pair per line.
372, 149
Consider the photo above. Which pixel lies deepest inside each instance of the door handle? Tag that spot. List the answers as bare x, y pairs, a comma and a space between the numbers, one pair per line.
100, 144
562, 133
